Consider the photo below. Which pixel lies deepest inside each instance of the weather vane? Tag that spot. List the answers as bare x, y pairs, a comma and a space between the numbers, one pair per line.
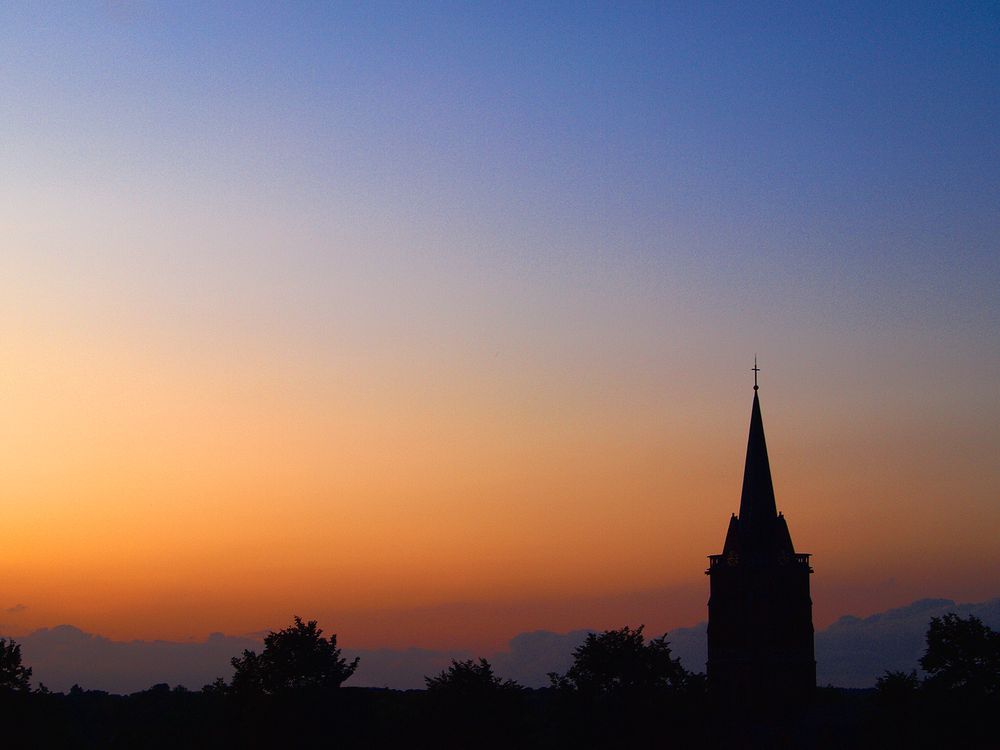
755, 371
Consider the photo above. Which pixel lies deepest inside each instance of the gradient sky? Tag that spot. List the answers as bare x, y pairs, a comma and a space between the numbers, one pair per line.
434, 321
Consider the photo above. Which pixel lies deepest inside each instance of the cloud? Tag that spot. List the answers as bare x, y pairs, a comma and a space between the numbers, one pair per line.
528, 659
853, 652
403, 669
16, 609
690, 645
64, 655
532, 656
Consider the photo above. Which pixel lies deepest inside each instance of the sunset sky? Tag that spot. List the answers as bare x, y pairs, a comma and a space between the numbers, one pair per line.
434, 322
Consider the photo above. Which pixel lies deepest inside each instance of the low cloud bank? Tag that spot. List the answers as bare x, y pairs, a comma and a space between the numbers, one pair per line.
529, 658
64, 655
403, 669
853, 652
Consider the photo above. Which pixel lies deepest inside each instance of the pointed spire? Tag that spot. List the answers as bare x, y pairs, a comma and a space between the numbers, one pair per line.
757, 501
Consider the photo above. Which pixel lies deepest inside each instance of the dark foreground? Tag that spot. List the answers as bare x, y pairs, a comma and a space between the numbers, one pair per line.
359, 717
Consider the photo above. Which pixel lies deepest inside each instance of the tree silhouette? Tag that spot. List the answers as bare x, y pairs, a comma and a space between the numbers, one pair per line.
13, 675
625, 691
469, 678
295, 658
962, 654
622, 661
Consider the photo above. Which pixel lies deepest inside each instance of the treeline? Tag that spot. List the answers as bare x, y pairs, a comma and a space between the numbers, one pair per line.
622, 690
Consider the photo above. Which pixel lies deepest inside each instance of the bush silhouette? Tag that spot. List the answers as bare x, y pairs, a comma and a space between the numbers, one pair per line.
469, 706
295, 658
468, 678
894, 685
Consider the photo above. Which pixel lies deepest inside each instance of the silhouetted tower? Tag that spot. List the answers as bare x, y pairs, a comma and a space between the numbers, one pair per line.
760, 632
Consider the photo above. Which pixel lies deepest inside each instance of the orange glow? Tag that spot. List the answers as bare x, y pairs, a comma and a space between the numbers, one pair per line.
157, 496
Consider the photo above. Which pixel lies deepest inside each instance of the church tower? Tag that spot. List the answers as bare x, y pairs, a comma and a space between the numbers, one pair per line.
760, 632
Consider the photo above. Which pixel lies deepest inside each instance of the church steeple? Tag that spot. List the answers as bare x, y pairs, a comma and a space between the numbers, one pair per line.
757, 501
758, 532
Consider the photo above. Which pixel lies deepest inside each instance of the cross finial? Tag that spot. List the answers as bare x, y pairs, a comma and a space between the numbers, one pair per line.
755, 371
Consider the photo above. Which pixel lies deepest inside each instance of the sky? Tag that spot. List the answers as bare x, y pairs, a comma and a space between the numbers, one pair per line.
434, 322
